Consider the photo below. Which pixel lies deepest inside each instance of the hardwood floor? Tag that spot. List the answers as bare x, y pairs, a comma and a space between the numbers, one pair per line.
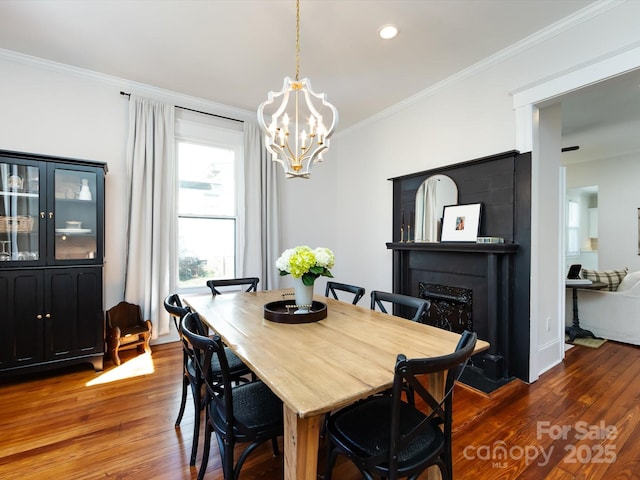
579, 421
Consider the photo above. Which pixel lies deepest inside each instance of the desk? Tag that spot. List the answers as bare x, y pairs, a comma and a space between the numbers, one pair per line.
318, 367
575, 331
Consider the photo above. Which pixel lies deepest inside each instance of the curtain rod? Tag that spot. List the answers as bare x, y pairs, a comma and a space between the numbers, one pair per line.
192, 110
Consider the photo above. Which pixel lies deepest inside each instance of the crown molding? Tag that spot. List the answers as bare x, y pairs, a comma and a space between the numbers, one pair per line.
567, 23
130, 86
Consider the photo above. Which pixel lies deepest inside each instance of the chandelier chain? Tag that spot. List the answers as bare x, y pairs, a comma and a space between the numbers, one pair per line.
297, 40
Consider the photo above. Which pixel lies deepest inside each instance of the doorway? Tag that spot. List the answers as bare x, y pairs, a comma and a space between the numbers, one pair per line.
539, 123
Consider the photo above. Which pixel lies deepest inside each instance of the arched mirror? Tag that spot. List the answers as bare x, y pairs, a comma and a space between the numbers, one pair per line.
431, 198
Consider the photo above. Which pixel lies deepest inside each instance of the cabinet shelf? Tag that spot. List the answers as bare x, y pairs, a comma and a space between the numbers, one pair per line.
11, 193
75, 201
70, 232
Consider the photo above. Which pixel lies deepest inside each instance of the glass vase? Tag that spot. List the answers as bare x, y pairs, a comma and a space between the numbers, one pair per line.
303, 295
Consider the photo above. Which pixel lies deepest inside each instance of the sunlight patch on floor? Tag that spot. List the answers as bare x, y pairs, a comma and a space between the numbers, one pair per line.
136, 367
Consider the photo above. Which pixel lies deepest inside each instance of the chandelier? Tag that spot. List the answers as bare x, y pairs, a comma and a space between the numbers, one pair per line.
295, 130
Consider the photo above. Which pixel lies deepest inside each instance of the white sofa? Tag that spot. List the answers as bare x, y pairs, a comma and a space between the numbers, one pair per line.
611, 315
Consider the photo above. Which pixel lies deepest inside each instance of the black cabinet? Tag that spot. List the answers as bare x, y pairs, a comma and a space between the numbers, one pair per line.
51, 256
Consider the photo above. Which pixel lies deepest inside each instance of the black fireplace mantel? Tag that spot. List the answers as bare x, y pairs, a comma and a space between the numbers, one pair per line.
460, 247
484, 268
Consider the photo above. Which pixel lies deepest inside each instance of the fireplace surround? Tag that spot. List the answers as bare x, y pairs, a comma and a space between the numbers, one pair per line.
450, 307
491, 278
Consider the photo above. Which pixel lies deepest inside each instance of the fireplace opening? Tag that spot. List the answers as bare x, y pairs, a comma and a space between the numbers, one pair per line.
451, 307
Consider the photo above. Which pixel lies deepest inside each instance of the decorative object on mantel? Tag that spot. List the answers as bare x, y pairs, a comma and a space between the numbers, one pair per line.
409, 238
432, 196
490, 240
305, 266
461, 223
296, 134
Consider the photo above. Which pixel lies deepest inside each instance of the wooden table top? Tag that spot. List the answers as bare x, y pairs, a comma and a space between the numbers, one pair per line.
317, 367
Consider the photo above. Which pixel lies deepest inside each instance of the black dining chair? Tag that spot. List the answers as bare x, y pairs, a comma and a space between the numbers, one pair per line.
333, 287
173, 305
191, 377
412, 308
251, 284
390, 438
243, 413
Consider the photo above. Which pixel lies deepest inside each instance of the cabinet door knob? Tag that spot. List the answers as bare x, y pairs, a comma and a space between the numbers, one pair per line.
39, 317
48, 315
50, 214
42, 215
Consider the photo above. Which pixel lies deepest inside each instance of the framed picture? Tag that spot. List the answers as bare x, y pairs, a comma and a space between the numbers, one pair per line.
461, 223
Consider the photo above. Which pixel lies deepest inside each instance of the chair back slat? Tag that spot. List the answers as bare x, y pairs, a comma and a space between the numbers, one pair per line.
173, 305
250, 282
218, 384
358, 292
409, 371
124, 315
420, 305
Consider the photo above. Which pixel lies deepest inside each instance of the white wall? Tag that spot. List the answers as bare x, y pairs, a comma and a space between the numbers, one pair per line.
52, 109
618, 203
56, 112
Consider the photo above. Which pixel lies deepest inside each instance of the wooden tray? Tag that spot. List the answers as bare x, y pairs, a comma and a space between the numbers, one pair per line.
282, 311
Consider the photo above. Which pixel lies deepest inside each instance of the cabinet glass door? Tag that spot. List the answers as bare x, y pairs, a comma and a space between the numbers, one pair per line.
75, 214
19, 213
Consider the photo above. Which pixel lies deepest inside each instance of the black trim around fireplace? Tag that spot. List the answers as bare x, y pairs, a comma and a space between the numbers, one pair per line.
497, 274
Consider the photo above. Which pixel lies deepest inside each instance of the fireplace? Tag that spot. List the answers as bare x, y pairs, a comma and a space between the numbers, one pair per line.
483, 286
470, 288
451, 307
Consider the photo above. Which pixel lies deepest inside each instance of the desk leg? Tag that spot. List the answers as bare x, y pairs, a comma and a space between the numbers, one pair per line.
575, 331
301, 440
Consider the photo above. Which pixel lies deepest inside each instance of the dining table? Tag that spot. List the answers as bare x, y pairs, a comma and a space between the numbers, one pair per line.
319, 366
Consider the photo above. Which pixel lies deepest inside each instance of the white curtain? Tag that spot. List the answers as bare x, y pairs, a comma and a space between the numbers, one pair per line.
151, 229
262, 211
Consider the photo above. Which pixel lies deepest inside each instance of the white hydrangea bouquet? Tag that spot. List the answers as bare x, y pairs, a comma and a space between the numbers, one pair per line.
303, 262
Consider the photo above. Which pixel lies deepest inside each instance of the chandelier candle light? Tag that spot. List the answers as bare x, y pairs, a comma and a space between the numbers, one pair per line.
295, 131
305, 266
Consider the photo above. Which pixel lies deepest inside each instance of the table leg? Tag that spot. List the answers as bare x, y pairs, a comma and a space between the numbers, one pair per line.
301, 440
575, 331
435, 386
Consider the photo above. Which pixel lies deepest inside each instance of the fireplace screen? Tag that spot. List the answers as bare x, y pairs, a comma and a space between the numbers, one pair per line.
450, 308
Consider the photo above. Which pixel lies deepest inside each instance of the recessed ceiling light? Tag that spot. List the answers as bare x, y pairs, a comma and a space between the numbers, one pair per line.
388, 31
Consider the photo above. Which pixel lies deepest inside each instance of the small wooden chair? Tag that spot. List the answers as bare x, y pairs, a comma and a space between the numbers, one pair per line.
127, 330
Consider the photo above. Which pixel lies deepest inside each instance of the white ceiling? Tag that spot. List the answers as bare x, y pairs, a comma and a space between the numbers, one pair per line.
232, 52
602, 119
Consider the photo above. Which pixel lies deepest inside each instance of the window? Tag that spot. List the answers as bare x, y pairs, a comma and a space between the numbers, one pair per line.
573, 228
209, 165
